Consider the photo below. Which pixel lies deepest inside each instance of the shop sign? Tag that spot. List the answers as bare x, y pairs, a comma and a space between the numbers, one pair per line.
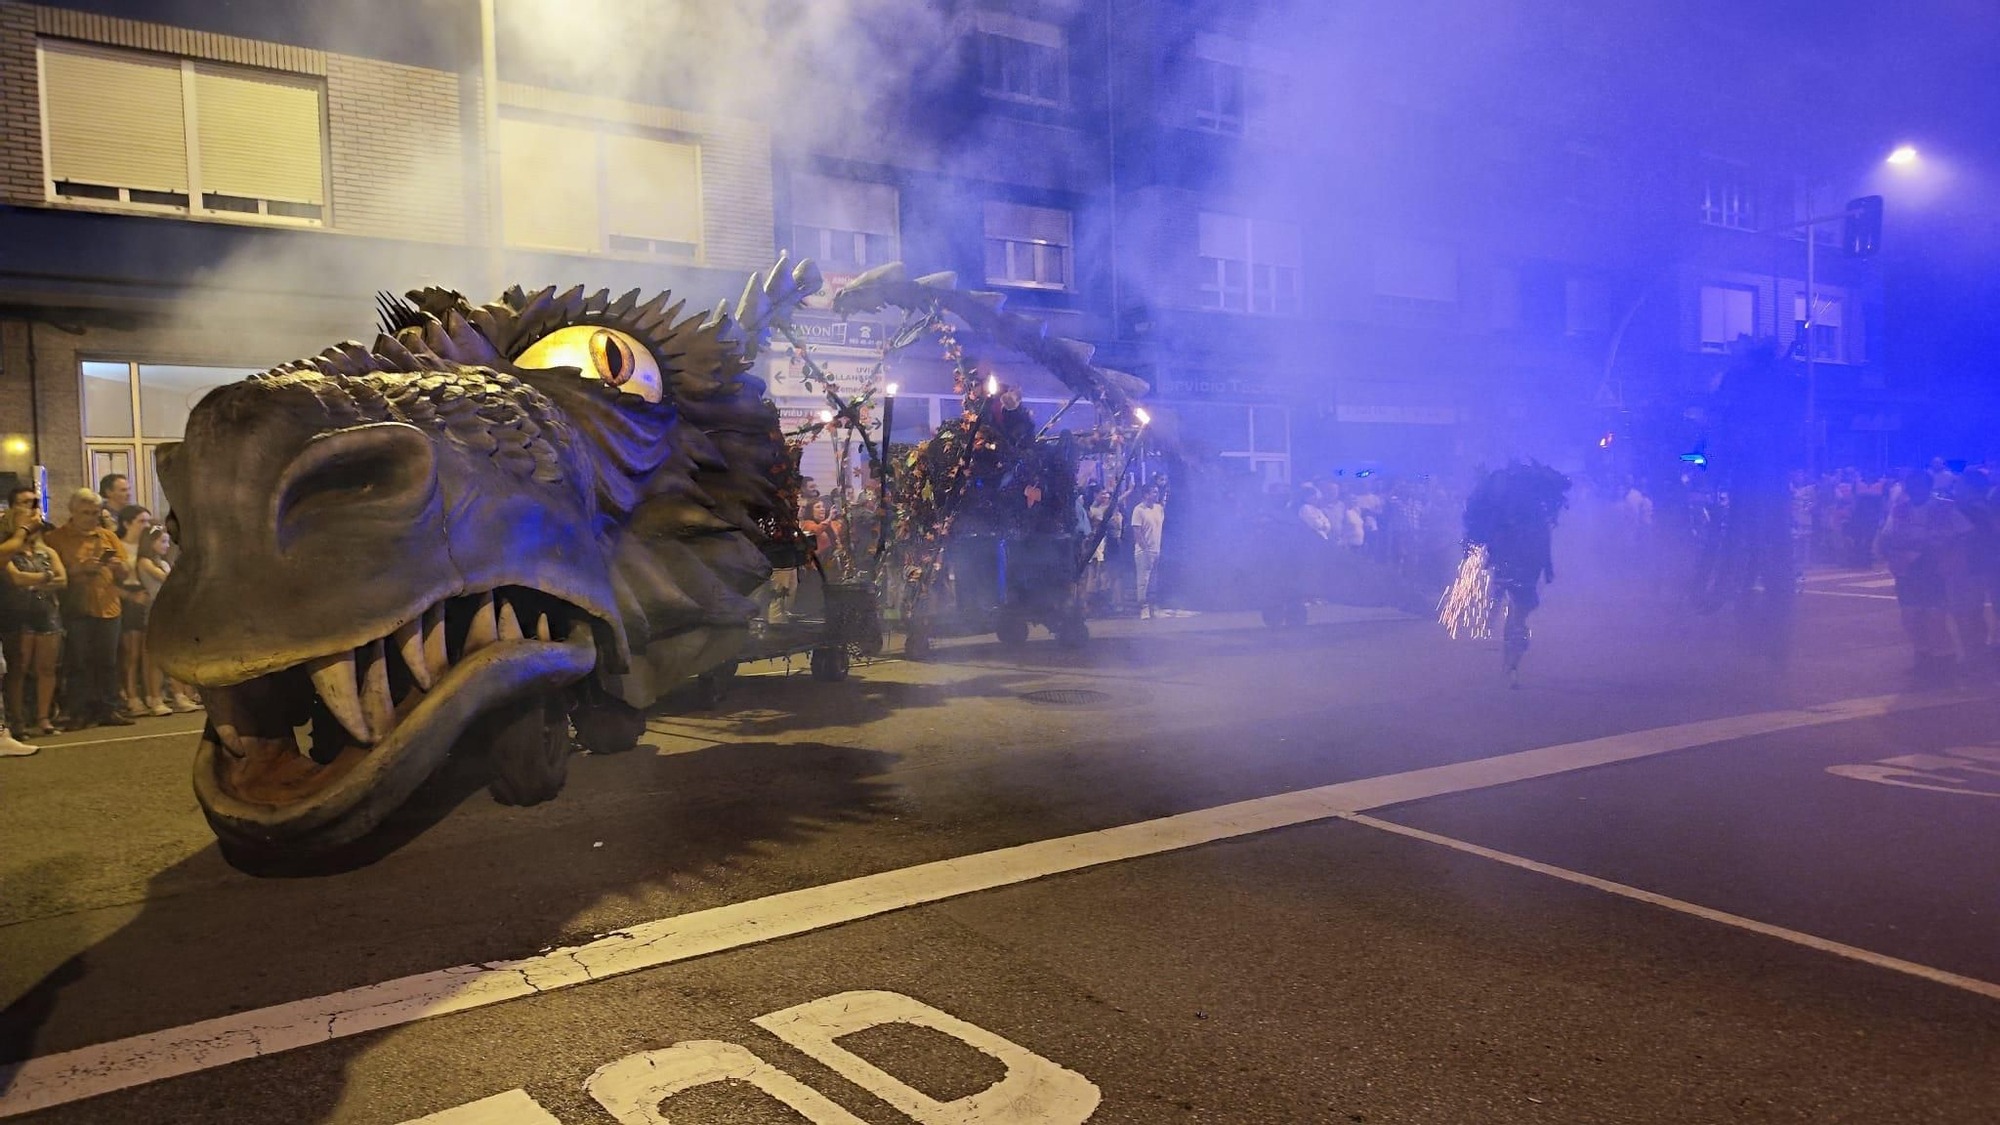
1402, 414
1216, 386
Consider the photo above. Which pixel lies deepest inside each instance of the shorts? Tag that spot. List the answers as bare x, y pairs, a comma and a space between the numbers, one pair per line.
36, 613
134, 618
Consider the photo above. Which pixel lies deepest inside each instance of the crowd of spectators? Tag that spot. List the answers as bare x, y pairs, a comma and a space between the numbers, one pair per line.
75, 599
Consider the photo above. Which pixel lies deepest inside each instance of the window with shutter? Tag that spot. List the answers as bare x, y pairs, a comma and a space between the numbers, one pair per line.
152, 131
1027, 246
116, 126
652, 196
548, 187
846, 225
259, 139
578, 187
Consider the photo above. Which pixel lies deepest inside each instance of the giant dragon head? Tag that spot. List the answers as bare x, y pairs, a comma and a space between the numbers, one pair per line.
382, 543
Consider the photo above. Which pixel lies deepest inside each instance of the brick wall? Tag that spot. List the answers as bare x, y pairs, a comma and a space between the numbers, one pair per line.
735, 166
396, 149
20, 107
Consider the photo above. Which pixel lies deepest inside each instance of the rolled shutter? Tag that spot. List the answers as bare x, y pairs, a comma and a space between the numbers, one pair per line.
260, 136
548, 186
652, 189
1023, 223
115, 118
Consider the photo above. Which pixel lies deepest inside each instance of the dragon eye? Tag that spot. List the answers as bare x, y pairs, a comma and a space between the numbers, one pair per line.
605, 354
611, 356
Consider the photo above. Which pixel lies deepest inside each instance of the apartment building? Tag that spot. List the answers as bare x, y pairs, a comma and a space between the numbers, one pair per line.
1324, 254
184, 202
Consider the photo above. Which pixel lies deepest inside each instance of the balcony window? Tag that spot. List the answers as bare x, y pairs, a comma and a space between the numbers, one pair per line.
1415, 282
1233, 91
1728, 195
1827, 338
847, 226
1028, 247
1022, 60
1727, 312
158, 133
1248, 265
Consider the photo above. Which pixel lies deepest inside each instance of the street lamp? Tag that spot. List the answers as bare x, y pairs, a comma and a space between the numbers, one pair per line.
1866, 211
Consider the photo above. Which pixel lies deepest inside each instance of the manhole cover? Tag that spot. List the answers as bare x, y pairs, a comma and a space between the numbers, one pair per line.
1067, 697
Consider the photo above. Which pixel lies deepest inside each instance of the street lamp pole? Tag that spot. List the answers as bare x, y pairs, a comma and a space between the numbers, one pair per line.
1812, 370
489, 107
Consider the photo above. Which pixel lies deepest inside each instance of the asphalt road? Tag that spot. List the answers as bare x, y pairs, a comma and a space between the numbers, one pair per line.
1334, 874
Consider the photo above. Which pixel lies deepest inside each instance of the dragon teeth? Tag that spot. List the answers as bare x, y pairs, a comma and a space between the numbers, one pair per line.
508, 626
333, 679
409, 645
435, 662
484, 629
376, 704
542, 627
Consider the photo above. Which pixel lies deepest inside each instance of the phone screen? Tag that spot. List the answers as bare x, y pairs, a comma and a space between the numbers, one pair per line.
42, 490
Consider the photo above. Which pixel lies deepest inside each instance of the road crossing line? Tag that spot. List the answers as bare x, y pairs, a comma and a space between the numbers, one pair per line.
69, 1076
1839, 949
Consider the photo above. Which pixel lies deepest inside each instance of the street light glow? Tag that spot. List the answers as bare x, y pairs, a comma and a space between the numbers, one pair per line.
890, 390
1145, 419
993, 384
1906, 154
826, 416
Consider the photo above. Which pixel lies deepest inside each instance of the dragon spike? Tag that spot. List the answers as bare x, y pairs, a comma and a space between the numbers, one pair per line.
622, 307
1077, 349
571, 300
513, 295
945, 279
597, 302
985, 297
487, 319
886, 273
392, 349
806, 277
465, 340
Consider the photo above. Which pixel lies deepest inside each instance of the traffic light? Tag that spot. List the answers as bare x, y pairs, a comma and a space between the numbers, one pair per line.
1861, 230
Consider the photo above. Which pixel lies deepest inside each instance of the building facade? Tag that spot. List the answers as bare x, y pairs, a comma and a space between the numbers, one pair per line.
1326, 248
191, 199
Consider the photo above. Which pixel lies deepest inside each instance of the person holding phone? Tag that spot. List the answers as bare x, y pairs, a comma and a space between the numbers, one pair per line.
31, 581
91, 610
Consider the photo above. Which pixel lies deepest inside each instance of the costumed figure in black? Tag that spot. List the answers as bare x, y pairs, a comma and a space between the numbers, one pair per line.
1751, 449
1509, 519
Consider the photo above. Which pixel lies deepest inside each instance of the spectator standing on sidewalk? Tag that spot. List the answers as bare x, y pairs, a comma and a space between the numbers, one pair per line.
90, 612
1972, 495
20, 616
1924, 543
1149, 523
114, 491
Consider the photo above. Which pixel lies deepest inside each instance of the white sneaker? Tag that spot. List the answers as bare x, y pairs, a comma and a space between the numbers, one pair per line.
158, 709
11, 747
1145, 613
181, 705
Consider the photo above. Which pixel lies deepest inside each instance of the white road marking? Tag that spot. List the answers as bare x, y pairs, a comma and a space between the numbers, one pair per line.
1839, 949
46, 745
89, 1071
632, 1088
514, 1107
1035, 1091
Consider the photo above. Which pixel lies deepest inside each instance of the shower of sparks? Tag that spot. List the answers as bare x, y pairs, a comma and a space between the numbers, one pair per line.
1467, 605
